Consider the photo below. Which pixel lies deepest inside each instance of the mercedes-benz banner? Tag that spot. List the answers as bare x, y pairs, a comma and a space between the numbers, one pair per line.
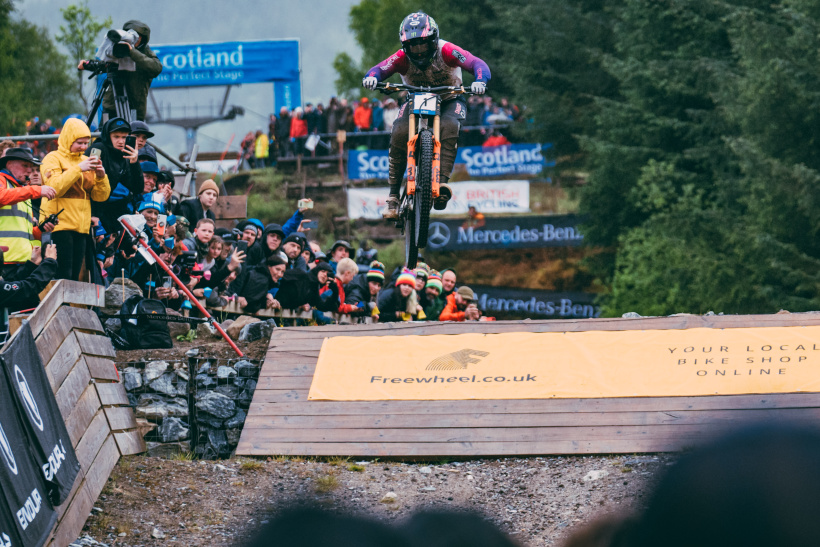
37, 408
534, 303
514, 232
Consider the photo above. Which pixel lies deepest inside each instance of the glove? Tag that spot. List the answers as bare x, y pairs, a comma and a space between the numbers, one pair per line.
369, 82
478, 88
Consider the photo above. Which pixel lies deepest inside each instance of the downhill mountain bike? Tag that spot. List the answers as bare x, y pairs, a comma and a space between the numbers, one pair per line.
421, 186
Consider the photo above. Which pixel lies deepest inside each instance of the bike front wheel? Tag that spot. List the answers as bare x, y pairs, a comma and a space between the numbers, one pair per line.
423, 197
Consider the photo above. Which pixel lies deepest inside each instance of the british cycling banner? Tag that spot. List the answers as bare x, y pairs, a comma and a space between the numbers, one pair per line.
492, 196
26, 515
37, 408
478, 161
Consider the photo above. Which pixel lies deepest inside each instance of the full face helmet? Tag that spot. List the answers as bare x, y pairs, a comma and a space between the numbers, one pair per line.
419, 38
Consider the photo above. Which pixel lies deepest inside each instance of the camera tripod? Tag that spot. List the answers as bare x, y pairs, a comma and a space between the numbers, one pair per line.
121, 104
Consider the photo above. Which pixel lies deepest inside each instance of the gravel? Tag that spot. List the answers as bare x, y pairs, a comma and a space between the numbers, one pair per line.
538, 500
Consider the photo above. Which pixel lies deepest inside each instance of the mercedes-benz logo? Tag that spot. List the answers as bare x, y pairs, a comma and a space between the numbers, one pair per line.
28, 398
5, 449
439, 235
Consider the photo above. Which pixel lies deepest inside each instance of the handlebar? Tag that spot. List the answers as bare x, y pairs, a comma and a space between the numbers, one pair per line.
388, 88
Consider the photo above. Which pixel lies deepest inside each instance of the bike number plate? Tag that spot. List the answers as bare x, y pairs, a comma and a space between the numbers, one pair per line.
425, 103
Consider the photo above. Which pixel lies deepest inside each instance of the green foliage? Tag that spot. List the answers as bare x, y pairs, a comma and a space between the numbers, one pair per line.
80, 35
34, 76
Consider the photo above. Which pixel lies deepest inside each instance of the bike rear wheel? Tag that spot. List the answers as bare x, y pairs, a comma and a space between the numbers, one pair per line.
411, 248
423, 196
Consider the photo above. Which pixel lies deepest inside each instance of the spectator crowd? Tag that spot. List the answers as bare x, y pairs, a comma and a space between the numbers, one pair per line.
368, 123
72, 201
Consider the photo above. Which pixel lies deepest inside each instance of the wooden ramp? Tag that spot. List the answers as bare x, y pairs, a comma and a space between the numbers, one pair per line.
282, 421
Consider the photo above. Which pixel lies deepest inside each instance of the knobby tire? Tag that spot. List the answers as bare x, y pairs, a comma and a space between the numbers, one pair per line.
424, 187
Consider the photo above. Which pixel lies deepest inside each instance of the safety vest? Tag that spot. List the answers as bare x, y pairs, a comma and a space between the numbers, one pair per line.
16, 223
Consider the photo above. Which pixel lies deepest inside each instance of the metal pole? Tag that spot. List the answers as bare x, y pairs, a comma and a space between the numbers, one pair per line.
182, 286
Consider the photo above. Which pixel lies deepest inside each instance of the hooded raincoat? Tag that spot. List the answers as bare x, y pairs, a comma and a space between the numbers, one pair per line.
75, 188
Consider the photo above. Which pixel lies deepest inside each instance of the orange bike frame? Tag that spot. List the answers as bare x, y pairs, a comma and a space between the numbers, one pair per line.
411, 158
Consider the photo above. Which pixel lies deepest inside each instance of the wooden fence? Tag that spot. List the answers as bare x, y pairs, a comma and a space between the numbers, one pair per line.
78, 359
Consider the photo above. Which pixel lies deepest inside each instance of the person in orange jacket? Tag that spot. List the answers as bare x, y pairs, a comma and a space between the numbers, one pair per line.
363, 115
460, 306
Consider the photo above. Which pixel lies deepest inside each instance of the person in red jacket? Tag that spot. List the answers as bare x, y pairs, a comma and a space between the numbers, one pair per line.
363, 115
298, 129
460, 306
346, 270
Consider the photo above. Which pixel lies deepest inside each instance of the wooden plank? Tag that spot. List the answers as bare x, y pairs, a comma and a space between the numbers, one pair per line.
72, 388
94, 344
48, 306
465, 449
86, 319
284, 382
265, 403
130, 442
92, 440
87, 294
553, 420
120, 417
75, 489
101, 368
63, 361
71, 524
111, 393
101, 468
82, 414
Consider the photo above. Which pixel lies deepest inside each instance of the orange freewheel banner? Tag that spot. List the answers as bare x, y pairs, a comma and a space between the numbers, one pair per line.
651, 363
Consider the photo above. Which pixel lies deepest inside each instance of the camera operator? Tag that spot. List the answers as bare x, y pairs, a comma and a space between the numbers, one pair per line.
136, 81
19, 184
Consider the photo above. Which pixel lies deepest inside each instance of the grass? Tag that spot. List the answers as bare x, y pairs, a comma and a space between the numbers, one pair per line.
250, 465
326, 483
183, 457
356, 468
337, 461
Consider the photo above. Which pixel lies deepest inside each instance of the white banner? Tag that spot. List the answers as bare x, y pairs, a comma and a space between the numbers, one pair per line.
496, 196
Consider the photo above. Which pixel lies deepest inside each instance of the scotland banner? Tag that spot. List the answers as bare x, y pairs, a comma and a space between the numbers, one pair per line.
26, 516
37, 408
510, 159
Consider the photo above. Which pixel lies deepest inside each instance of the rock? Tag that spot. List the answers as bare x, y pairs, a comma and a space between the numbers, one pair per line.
204, 368
631, 315
237, 420
178, 329
218, 441
232, 392
158, 411
145, 427
216, 404
224, 372
165, 384
118, 292
226, 323
256, 331
246, 369
148, 398
193, 352
113, 324
183, 373
168, 450
156, 533
246, 397
154, 370
132, 399
209, 420
390, 497
236, 327
205, 330
233, 436
204, 381
428, 489
425, 470
595, 474
131, 378
182, 388
172, 430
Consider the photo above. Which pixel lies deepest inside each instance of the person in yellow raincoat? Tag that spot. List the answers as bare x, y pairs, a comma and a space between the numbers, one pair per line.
77, 179
261, 150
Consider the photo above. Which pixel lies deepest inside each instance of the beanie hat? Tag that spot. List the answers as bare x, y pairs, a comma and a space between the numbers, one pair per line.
208, 185
420, 272
151, 205
149, 167
435, 281
297, 238
406, 277
376, 272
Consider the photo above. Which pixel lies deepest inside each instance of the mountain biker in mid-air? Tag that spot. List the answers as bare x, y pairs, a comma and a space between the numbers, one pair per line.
425, 60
